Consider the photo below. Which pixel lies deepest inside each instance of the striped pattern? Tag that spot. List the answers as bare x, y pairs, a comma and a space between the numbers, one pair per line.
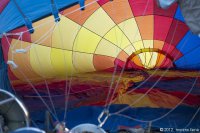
105, 34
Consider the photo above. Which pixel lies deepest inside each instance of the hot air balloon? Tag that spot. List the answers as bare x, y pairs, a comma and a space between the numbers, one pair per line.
82, 55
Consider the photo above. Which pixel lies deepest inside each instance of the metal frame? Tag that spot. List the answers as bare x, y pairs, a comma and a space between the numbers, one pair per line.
14, 98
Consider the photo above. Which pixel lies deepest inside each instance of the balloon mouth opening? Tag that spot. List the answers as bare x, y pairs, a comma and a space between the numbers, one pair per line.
147, 59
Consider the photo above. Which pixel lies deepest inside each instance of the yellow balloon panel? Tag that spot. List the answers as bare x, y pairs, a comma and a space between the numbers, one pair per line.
117, 37
83, 62
62, 62
142, 57
99, 22
40, 60
65, 33
148, 59
129, 49
152, 59
148, 43
86, 41
22, 60
138, 45
130, 29
107, 48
